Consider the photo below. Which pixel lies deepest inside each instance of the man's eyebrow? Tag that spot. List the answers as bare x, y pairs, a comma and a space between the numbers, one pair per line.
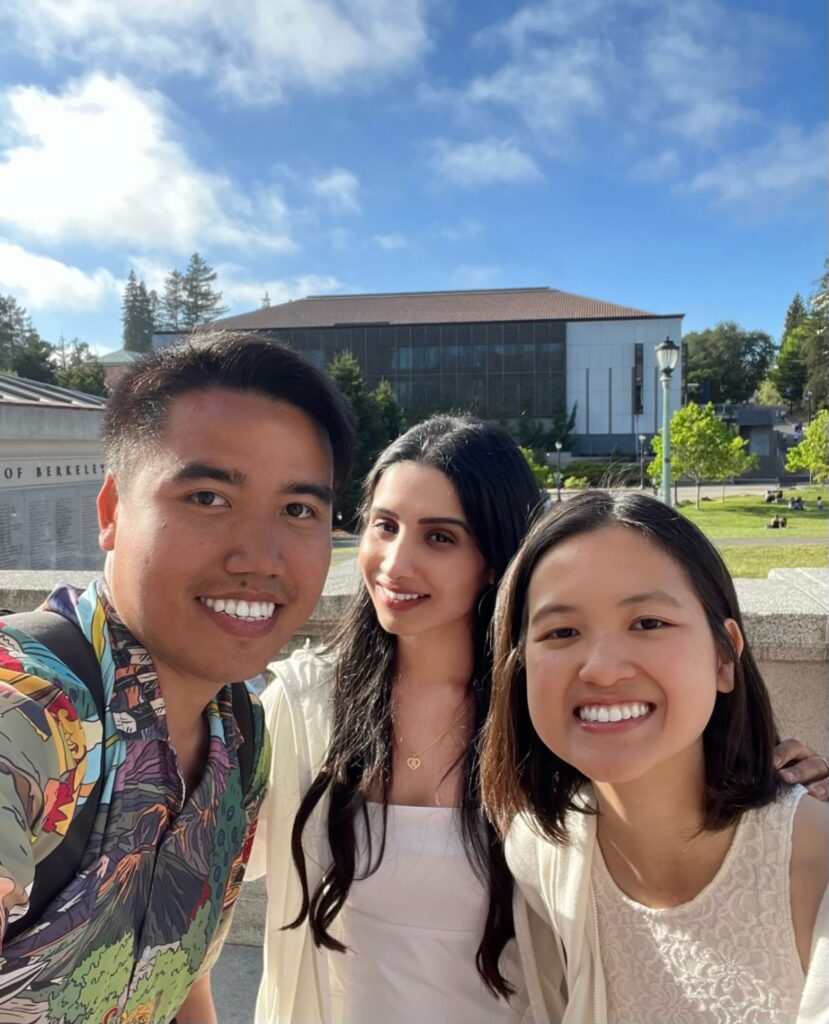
207, 471
426, 520
321, 491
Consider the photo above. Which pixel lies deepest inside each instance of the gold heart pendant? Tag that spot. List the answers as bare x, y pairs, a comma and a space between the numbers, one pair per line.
414, 763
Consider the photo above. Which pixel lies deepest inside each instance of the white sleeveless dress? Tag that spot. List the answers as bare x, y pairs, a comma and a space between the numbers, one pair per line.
726, 957
412, 929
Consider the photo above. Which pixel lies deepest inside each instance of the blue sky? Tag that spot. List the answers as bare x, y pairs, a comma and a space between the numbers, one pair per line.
665, 154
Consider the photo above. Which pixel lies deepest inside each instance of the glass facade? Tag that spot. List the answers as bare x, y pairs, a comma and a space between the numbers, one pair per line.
494, 370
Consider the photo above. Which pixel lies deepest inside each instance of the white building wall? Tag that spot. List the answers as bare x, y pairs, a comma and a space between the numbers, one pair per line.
600, 359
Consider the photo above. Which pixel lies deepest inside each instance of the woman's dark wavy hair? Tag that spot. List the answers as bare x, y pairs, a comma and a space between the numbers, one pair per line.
519, 773
499, 496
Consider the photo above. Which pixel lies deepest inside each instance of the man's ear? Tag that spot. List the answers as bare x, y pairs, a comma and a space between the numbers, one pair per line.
725, 664
107, 513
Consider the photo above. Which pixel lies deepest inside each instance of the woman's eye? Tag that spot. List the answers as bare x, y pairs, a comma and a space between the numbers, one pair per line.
561, 633
442, 538
650, 623
299, 510
208, 499
383, 526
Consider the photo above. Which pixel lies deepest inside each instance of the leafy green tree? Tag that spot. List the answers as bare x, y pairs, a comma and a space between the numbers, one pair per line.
202, 303
78, 369
171, 307
22, 350
377, 424
728, 360
390, 414
767, 393
702, 448
812, 453
541, 471
790, 371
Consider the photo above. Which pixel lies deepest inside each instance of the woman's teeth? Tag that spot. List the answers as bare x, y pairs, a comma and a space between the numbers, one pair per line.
249, 610
612, 712
394, 595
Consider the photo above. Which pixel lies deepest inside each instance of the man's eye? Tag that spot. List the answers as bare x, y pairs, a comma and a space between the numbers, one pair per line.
299, 510
208, 499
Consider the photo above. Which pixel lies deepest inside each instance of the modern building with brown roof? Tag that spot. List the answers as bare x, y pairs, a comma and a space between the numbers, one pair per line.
503, 354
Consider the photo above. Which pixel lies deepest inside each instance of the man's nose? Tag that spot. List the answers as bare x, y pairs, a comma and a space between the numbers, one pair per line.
257, 549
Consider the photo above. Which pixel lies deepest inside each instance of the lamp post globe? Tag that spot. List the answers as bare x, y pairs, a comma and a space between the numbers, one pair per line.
667, 355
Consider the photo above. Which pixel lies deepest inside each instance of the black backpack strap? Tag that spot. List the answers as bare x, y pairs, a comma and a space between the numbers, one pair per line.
52, 875
243, 713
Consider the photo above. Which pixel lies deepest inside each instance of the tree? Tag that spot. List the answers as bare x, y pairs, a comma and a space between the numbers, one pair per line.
138, 313
541, 471
813, 451
388, 410
790, 371
540, 439
201, 303
727, 361
795, 314
78, 369
377, 424
702, 447
767, 393
22, 350
172, 303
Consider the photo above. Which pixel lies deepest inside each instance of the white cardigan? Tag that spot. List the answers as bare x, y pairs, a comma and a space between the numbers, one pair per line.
555, 880
295, 987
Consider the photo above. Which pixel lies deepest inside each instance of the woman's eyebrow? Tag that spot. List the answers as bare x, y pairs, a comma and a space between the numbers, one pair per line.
425, 521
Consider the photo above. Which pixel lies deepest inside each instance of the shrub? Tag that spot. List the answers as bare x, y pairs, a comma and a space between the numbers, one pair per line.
573, 483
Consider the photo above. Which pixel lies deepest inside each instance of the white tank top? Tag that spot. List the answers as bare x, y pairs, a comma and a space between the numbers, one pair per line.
728, 956
412, 929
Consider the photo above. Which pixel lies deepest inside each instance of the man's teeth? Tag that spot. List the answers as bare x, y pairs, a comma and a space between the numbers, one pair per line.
395, 595
612, 712
249, 610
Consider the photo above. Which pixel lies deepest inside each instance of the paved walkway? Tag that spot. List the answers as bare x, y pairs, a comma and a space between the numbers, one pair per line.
774, 539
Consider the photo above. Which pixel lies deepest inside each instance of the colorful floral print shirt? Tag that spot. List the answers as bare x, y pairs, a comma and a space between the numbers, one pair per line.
147, 912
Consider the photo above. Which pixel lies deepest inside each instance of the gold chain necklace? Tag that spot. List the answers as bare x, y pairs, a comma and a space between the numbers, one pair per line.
414, 761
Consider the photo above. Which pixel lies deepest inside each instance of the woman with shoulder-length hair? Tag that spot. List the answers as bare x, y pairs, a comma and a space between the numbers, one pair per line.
393, 885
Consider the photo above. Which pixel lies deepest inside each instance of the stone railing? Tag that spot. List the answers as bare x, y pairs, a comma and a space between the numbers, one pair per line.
786, 618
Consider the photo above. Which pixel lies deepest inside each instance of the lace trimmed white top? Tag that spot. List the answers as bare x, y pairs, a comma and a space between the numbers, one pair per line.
412, 929
726, 957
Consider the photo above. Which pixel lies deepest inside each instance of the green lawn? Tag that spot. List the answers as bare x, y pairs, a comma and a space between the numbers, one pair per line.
751, 561
747, 515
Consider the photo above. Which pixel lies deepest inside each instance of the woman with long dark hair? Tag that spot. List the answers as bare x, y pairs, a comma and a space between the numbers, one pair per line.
392, 883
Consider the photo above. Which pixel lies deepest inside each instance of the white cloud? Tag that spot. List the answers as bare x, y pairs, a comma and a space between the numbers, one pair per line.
491, 161
394, 240
254, 50
339, 188
789, 164
40, 282
100, 162
243, 294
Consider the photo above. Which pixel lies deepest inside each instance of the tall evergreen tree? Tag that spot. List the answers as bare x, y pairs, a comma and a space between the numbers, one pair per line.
201, 302
22, 350
171, 314
795, 315
78, 369
138, 315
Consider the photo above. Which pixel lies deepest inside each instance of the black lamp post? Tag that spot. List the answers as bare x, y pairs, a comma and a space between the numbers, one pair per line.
667, 354
558, 470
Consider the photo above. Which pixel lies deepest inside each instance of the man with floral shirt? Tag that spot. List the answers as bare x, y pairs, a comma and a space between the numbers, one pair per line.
215, 516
